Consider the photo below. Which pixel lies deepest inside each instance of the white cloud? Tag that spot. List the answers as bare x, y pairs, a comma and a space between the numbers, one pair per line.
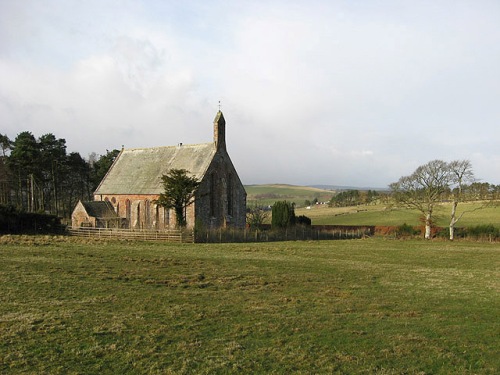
317, 92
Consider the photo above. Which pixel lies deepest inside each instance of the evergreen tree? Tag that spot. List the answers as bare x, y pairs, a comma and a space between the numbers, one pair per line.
179, 193
53, 170
101, 167
76, 185
5, 144
283, 214
24, 164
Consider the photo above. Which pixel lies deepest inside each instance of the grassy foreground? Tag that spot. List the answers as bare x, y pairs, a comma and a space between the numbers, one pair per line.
359, 306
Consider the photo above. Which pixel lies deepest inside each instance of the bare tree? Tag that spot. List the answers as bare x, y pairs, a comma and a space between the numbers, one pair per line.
423, 189
257, 216
461, 174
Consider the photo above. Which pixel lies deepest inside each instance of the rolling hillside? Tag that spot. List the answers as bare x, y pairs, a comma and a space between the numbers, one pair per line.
375, 214
264, 195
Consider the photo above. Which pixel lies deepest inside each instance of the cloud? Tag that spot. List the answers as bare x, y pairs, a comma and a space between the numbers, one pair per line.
318, 92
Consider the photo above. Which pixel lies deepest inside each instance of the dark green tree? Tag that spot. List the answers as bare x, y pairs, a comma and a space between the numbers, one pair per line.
25, 167
76, 185
283, 215
303, 220
5, 144
179, 191
101, 166
53, 170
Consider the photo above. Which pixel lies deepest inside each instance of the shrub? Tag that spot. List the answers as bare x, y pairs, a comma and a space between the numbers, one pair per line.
485, 230
13, 221
406, 230
256, 217
303, 220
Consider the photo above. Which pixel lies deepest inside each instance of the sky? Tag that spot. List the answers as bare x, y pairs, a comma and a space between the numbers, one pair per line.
350, 93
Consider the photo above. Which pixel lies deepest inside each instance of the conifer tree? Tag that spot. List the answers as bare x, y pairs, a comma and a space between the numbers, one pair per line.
179, 193
283, 214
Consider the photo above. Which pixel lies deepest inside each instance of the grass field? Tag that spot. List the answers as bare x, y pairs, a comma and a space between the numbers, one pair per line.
360, 306
379, 214
382, 215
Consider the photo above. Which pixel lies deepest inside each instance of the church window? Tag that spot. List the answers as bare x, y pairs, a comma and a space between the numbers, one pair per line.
128, 210
166, 217
212, 194
138, 221
147, 214
229, 194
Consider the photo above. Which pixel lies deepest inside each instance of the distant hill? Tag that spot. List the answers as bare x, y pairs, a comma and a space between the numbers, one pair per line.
338, 187
269, 193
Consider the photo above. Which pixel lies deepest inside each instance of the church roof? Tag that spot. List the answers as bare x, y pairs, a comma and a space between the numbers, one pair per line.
139, 170
99, 209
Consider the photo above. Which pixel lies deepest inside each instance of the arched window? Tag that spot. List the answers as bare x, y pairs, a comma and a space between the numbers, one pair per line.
212, 194
166, 217
147, 214
229, 191
138, 216
128, 212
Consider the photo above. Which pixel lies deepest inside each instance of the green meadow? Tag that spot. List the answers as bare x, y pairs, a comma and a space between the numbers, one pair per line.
381, 214
376, 305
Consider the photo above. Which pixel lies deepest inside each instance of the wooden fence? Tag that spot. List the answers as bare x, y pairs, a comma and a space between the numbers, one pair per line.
127, 234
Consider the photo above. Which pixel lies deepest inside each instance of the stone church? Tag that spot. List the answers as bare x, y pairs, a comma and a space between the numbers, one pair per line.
133, 183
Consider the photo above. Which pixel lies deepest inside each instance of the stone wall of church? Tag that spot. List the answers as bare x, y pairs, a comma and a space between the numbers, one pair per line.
221, 198
141, 212
80, 218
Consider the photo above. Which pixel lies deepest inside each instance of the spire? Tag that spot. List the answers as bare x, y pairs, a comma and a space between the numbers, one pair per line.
220, 131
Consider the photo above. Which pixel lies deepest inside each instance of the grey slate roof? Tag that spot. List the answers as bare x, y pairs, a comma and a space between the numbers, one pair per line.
99, 209
139, 170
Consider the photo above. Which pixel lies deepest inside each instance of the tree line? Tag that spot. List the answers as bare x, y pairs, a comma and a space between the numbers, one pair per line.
39, 175
353, 197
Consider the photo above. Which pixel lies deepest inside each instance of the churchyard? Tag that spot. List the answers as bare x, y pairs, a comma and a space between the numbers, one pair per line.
375, 305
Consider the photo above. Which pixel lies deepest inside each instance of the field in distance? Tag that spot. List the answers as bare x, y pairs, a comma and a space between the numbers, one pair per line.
266, 195
380, 213
383, 214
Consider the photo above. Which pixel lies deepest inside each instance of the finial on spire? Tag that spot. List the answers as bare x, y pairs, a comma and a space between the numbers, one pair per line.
219, 105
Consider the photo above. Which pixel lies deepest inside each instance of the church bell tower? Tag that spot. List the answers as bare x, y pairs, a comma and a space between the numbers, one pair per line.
220, 131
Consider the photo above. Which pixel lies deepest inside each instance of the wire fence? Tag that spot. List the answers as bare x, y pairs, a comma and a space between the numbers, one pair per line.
297, 233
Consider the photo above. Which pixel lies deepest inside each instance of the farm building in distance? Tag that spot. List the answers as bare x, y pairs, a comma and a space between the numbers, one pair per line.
133, 183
